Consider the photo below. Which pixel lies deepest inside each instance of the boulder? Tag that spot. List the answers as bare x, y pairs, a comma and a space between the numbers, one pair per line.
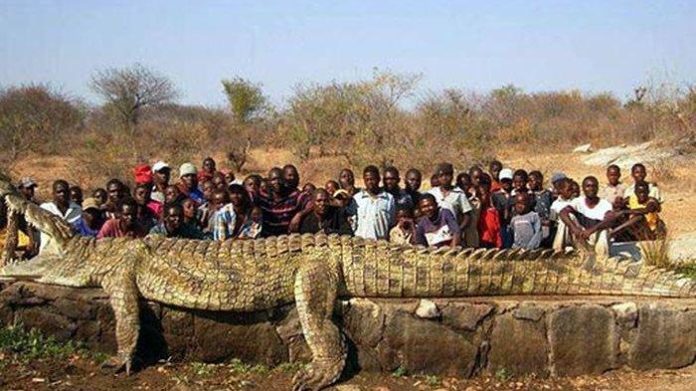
518, 346
665, 338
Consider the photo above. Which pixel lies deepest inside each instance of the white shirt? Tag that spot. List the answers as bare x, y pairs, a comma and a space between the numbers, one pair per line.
456, 201
557, 206
375, 215
72, 215
597, 213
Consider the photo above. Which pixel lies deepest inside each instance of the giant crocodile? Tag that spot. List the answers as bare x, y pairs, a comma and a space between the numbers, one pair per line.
312, 271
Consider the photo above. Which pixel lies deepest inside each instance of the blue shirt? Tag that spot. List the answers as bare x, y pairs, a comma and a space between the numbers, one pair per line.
375, 215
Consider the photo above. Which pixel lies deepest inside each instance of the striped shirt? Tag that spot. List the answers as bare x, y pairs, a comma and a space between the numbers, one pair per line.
222, 222
277, 214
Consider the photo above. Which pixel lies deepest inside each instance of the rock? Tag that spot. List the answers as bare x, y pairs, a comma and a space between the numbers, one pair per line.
289, 327
420, 346
585, 148
465, 316
518, 346
49, 323
583, 340
75, 309
626, 314
363, 319
666, 338
427, 310
528, 311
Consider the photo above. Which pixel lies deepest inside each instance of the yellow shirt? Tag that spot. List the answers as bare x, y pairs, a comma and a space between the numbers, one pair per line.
651, 218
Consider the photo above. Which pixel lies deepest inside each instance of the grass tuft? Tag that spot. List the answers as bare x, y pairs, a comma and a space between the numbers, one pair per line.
32, 345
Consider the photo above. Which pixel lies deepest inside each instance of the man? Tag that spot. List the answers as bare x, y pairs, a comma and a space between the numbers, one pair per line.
292, 180
76, 194
188, 183
149, 211
413, 184
588, 217
92, 218
173, 225
161, 175
451, 198
29, 237
208, 170
205, 209
391, 181
638, 173
347, 181
324, 217
437, 227
280, 203
27, 186
376, 209
126, 223
60, 206
115, 192
223, 217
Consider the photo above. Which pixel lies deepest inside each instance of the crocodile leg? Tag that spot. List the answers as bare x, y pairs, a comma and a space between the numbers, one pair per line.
123, 296
315, 295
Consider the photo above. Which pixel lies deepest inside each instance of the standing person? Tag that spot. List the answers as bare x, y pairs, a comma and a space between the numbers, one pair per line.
291, 180
92, 218
172, 195
188, 183
592, 217
502, 201
489, 220
526, 225
161, 174
173, 226
405, 230
614, 190
29, 237
99, 194
62, 207
391, 181
220, 182
239, 198
280, 204
494, 170
638, 173
324, 217
189, 207
451, 198
559, 231
542, 205
223, 219
376, 210
27, 186
126, 224
76, 194
115, 191
463, 182
437, 226
146, 215
413, 184
347, 181
205, 210
332, 187
208, 171
252, 184
556, 179
520, 178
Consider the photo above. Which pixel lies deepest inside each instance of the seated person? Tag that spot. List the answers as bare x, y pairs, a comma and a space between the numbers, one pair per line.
251, 228
643, 216
324, 217
559, 231
92, 218
526, 224
404, 232
125, 223
437, 226
588, 218
173, 225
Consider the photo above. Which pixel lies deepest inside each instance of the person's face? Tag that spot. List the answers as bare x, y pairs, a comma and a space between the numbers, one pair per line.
331, 187
174, 219
521, 203
613, 176
256, 215
218, 201
76, 196
506, 184
495, 170
575, 189
346, 179
642, 194
236, 199
209, 166
463, 182
475, 176
427, 207
434, 181
189, 180
189, 208
229, 177
163, 176
99, 196
321, 203
170, 194
445, 178
142, 196
535, 182
403, 215
291, 177
208, 189
128, 213
60, 194
251, 186
519, 183
391, 181
28, 192
638, 174
565, 190
413, 181
219, 182
483, 193
589, 188
371, 181
275, 181
309, 188
114, 191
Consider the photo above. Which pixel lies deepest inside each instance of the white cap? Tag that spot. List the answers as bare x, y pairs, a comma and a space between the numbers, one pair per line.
187, 169
505, 173
159, 166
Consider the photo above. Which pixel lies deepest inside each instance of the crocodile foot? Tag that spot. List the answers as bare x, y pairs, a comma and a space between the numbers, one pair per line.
318, 375
117, 364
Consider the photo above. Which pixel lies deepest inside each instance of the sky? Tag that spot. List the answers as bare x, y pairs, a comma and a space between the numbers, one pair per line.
593, 46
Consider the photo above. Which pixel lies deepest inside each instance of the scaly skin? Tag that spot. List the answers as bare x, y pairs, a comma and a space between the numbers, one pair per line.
311, 271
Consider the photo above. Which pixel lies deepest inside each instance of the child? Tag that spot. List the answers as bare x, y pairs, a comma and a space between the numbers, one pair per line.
489, 220
614, 191
561, 235
644, 221
501, 201
542, 204
494, 169
638, 173
405, 230
251, 229
526, 225
464, 182
519, 182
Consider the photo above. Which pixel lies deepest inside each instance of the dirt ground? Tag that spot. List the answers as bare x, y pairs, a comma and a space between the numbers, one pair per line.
81, 373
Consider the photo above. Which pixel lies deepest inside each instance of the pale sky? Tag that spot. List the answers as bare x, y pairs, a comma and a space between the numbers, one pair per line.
593, 46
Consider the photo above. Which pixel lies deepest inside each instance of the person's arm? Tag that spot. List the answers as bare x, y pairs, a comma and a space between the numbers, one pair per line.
343, 224
456, 232
573, 225
535, 241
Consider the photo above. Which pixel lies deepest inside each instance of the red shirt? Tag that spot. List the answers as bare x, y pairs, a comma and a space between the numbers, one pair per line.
112, 229
489, 228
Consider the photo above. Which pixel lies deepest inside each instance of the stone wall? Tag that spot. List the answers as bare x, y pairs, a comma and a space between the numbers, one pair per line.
463, 337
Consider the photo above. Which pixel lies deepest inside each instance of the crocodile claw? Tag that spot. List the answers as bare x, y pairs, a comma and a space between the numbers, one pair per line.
118, 364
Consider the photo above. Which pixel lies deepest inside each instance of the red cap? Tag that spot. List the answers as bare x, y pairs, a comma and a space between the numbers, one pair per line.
143, 174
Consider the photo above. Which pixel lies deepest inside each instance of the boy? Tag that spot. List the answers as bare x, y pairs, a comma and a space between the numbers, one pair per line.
614, 191
437, 227
494, 169
644, 220
501, 201
405, 230
488, 225
526, 225
542, 203
638, 173
561, 235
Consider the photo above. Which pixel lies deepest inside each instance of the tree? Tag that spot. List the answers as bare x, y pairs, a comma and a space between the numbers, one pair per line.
246, 99
128, 90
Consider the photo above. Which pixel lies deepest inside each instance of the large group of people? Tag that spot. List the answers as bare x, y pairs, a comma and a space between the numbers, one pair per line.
482, 207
